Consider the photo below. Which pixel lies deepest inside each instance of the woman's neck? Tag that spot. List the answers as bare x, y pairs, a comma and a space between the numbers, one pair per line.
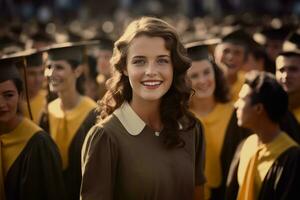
69, 99
10, 125
202, 106
149, 112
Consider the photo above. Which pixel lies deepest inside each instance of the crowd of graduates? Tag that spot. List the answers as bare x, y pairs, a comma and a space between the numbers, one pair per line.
69, 100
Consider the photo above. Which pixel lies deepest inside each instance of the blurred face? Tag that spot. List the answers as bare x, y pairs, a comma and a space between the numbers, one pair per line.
61, 76
245, 112
9, 100
103, 65
149, 68
35, 78
202, 78
230, 57
273, 48
288, 73
253, 64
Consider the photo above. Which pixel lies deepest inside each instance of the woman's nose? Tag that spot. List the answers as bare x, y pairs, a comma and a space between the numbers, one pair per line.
151, 69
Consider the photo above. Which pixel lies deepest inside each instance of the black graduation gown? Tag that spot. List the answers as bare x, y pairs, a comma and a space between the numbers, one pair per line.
36, 173
233, 136
280, 183
290, 125
72, 174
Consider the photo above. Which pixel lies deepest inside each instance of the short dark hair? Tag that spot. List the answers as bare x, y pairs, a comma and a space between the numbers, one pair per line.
81, 79
221, 93
267, 91
19, 84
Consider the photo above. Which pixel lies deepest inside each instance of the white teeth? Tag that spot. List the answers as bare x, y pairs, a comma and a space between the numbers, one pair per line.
154, 83
54, 81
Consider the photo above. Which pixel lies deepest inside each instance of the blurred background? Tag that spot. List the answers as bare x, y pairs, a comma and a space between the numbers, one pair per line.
36, 23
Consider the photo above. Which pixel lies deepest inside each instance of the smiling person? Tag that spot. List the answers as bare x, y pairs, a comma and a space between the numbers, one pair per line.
147, 145
269, 160
30, 165
69, 116
231, 55
210, 104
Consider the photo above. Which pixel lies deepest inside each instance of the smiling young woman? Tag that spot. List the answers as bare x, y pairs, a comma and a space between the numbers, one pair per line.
146, 145
210, 104
71, 114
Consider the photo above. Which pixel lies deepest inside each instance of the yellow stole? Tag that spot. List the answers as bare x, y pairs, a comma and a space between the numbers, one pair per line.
236, 87
37, 105
260, 163
12, 144
64, 124
296, 112
215, 126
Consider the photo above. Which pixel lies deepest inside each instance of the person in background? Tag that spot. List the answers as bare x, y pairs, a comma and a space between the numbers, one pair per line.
91, 87
30, 164
210, 104
99, 69
35, 80
269, 160
230, 55
103, 54
41, 39
288, 71
272, 38
70, 116
146, 145
257, 58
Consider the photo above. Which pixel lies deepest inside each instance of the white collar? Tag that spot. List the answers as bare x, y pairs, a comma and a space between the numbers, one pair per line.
129, 119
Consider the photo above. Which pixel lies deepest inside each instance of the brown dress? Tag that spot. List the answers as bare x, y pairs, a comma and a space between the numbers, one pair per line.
124, 159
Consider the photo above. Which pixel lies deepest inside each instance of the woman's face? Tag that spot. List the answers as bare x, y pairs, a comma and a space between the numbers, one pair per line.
230, 57
9, 101
149, 68
61, 76
202, 78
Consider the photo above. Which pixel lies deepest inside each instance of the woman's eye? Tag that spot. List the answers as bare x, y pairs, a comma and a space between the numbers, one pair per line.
206, 72
163, 61
194, 76
138, 62
9, 95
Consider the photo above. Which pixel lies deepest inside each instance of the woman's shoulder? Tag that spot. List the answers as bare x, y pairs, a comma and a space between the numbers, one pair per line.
87, 101
108, 125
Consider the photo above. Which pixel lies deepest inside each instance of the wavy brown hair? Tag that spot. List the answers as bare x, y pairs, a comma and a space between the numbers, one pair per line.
174, 105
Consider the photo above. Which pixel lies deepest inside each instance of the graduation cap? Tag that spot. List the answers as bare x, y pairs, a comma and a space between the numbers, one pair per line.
34, 59
10, 69
105, 44
237, 36
42, 36
199, 50
73, 51
10, 45
272, 33
292, 44
31, 57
